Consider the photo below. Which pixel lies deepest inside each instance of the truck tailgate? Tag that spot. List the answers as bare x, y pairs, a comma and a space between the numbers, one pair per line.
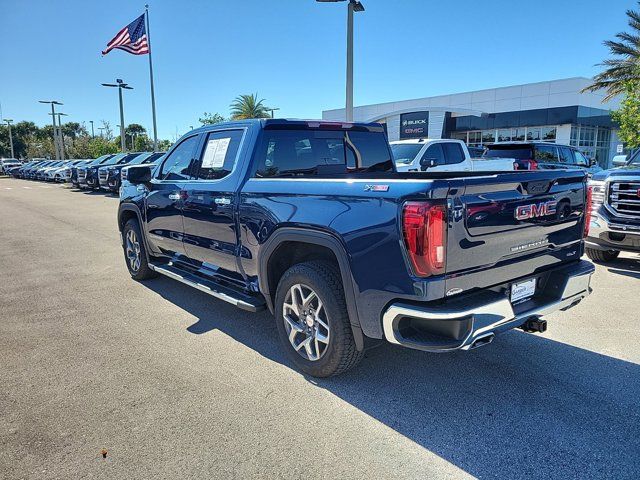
511, 225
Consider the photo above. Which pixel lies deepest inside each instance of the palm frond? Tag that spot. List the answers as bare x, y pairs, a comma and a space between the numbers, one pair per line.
625, 64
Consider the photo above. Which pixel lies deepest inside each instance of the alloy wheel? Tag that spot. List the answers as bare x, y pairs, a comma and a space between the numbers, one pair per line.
133, 250
306, 322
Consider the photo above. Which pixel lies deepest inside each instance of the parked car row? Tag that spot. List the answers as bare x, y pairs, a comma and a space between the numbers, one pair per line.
7, 163
100, 173
449, 155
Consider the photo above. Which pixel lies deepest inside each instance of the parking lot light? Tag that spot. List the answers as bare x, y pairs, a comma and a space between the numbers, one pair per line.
354, 7
9, 122
120, 85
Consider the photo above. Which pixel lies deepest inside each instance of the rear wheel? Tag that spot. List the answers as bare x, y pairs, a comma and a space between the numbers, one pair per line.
602, 255
135, 253
312, 319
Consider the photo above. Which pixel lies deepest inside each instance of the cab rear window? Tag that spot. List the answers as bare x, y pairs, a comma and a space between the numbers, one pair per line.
518, 153
294, 153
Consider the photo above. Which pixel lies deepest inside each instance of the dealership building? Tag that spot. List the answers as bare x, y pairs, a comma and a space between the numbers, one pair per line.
554, 111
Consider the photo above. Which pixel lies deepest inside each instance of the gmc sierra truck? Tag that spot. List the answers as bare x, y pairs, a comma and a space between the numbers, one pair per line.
615, 211
311, 221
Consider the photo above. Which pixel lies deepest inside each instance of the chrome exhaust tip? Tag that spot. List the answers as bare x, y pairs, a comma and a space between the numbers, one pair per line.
482, 341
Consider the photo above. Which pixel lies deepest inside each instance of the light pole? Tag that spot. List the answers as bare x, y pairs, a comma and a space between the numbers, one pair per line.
53, 119
9, 121
273, 110
61, 133
92, 134
354, 7
101, 132
120, 85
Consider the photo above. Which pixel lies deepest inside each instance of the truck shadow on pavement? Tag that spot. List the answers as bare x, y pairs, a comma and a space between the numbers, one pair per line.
629, 267
525, 406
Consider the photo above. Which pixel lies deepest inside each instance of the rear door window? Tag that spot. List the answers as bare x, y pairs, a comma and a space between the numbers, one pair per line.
453, 153
220, 153
566, 156
546, 153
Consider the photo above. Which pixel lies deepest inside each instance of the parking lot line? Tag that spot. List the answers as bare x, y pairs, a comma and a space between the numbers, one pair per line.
28, 188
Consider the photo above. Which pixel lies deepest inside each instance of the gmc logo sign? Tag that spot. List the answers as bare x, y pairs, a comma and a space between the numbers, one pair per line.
536, 210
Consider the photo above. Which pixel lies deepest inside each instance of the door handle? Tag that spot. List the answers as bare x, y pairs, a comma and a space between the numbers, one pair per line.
174, 196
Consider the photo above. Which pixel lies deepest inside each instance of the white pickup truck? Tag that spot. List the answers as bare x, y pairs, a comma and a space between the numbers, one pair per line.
443, 155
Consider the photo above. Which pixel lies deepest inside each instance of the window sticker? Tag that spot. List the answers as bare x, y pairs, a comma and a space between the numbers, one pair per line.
216, 153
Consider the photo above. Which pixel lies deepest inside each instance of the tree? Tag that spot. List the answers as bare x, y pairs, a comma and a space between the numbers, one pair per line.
628, 116
623, 67
248, 106
107, 131
132, 132
211, 118
164, 145
142, 144
101, 146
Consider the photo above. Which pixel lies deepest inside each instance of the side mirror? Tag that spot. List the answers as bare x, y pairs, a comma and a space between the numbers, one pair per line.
427, 162
593, 162
137, 174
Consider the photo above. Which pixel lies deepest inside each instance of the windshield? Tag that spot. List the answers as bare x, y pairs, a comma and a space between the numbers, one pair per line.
635, 159
127, 158
405, 152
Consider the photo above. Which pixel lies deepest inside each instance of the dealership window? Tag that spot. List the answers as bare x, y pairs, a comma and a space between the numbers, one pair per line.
593, 142
548, 134
478, 138
488, 136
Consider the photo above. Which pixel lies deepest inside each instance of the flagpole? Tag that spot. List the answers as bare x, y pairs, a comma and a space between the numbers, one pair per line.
153, 95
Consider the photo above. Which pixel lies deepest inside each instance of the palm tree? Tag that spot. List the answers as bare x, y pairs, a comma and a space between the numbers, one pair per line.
248, 106
626, 64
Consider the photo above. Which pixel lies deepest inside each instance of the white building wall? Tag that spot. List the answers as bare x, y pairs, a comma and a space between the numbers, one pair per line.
563, 134
556, 93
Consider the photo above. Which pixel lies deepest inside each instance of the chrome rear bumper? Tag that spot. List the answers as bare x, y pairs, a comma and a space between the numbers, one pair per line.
469, 322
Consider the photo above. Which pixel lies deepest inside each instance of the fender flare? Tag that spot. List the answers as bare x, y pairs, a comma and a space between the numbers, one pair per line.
132, 207
323, 239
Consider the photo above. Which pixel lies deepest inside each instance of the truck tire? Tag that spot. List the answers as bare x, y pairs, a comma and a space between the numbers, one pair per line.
135, 254
602, 255
312, 320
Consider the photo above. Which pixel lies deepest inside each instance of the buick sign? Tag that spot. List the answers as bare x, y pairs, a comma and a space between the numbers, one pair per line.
414, 125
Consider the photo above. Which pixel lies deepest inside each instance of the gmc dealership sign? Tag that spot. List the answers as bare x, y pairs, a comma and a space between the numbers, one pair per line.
414, 125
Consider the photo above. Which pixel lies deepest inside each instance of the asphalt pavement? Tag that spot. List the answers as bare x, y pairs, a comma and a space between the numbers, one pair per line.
168, 382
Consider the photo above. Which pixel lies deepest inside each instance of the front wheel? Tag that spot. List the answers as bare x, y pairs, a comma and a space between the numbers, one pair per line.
602, 255
135, 252
312, 319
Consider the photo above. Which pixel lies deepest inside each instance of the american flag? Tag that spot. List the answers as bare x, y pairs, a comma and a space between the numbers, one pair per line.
132, 38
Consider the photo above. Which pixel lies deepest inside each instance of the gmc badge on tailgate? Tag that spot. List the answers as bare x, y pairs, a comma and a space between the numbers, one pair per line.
536, 210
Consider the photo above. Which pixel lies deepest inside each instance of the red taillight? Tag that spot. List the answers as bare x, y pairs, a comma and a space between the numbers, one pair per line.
424, 227
533, 165
587, 211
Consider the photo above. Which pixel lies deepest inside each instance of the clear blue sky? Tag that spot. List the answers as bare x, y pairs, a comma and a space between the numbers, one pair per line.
292, 52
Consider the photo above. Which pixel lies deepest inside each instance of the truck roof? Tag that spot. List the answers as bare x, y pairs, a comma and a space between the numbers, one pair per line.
284, 123
413, 141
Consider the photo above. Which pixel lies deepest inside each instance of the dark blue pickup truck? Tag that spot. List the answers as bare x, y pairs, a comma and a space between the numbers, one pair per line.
310, 220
